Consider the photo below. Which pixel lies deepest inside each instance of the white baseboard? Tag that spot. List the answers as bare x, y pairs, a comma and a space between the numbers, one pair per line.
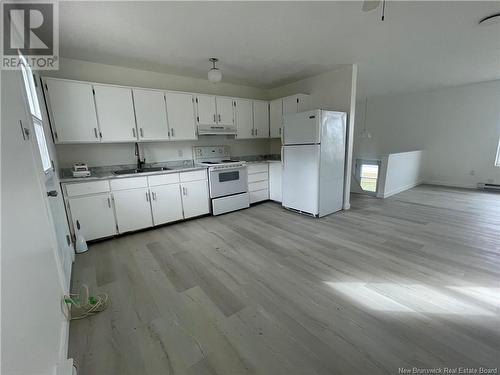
401, 189
450, 184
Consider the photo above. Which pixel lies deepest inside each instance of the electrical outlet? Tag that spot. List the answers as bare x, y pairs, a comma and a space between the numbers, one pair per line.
180, 153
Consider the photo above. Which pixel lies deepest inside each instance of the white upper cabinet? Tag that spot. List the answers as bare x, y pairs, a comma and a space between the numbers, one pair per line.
181, 118
225, 113
151, 115
275, 117
290, 105
244, 118
72, 111
206, 110
261, 119
295, 103
115, 112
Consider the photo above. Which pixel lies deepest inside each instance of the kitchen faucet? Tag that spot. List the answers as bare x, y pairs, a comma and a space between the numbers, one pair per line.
140, 162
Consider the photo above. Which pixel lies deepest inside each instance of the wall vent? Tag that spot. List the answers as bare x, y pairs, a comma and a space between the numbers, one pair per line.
484, 186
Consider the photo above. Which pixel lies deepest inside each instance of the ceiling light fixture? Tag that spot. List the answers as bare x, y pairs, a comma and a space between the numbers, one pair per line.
490, 19
214, 74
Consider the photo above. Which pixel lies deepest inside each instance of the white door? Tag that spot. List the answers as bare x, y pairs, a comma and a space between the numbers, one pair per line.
275, 117
31, 272
115, 112
225, 112
44, 146
180, 113
290, 105
261, 119
301, 128
275, 171
301, 178
166, 203
244, 118
93, 216
151, 115
72, 110
206, 110
133, 209
195, 199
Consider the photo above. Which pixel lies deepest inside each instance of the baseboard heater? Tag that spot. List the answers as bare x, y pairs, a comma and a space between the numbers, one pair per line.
488, 186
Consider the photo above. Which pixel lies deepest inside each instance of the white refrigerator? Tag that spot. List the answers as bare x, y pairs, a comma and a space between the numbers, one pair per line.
314, 161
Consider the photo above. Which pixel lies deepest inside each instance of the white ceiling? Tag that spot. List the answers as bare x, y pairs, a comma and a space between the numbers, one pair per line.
420, 45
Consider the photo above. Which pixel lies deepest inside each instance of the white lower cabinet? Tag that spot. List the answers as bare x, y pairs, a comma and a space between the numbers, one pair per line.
195, 199
133, 209
93, 216
258, 182
105, 208
275, 170
166, 203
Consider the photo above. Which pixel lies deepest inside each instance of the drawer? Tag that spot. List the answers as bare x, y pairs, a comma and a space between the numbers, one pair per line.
262, 176
259, 196
84, 188
163, 179
129, 183
257, 168
260, 185
193, 175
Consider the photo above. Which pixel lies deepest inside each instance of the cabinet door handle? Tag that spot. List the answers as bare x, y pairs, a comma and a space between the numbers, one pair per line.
279, 131
95, 133
77, 225
256, 132
147, 196
52, 193
172, 131
133, 132
215, 120
142, 132
219, 117
109, 202
154, 195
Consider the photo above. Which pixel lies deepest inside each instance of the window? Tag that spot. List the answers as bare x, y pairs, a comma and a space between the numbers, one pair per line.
36, 114
367, 172
497, 159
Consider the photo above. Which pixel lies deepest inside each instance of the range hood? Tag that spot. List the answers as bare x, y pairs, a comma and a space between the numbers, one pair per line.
216, 130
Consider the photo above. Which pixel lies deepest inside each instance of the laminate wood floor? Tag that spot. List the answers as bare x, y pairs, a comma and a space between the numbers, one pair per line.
410, 281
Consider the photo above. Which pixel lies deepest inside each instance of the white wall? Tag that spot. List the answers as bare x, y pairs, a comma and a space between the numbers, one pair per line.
400, 172
123, 153
458, 128
117, 75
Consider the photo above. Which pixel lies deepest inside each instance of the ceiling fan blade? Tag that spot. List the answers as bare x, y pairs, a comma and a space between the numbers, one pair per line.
370, 5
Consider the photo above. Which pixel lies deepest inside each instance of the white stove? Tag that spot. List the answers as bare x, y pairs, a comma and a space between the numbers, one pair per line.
227, 178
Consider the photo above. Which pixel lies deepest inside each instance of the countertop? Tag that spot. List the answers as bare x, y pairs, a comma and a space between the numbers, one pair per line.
106, 173
109, 175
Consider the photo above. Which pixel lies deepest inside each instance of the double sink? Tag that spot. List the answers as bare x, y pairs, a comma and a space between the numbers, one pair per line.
141, 170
